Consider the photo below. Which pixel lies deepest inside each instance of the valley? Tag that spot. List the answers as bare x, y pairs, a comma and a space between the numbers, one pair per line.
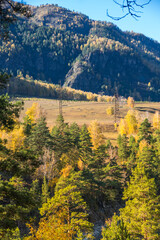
83, 112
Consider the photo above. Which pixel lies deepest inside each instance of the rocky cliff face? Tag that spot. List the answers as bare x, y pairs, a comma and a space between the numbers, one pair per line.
96, 70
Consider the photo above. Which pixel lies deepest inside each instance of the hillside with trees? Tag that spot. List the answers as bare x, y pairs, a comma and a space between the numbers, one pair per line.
57, 45
69, 182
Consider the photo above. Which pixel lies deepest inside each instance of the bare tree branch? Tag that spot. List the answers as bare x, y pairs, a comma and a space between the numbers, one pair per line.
131, 7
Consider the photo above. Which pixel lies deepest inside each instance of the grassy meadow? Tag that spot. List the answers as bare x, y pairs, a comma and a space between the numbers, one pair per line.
83, 112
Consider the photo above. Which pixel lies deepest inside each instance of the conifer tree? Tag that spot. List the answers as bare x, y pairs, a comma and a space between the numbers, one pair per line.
27, 126
74, 134
40, 137
113, 180
145, 132
133, 149
64, 216
9, 112
35, 191
115, 230
83, 180
123, 149
151, 163
141, 214
85, 145
16, 203
45, 192
61, 137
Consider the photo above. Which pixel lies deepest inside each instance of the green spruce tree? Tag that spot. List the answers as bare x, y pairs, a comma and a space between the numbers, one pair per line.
45, 191
141, 214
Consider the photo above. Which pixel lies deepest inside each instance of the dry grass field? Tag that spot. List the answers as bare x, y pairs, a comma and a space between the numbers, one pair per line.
85, 112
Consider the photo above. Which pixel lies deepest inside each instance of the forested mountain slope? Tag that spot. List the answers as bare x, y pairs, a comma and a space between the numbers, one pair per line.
57, 45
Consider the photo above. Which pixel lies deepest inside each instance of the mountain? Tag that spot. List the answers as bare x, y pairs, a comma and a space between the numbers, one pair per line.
58, 45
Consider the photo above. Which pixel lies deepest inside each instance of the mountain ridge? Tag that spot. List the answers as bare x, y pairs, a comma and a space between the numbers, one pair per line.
58, 45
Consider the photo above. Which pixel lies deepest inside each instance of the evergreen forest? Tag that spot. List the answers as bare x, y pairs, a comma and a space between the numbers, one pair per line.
68, 182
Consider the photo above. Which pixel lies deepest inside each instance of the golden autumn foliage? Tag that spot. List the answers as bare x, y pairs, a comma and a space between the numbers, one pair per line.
48, 90
14, 139
54, 228
142, 145
138, 118
66, 171
110, 111
51, 228
80, 165
122, 128
63, 216
130, 102
131, 122
33, 112
97, 137
128, 125
156, 120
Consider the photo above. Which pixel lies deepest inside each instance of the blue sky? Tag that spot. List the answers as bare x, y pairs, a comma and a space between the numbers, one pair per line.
148, 24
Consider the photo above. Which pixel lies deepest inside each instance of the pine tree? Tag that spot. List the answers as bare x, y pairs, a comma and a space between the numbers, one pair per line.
115, 230
61, 137
74, 133
85, 145
123, 149
141, 214
16, 203
151, 163
145, 132
45, 193
133, 150
9, 112
113, 180
27, 126
65, 215
40, 137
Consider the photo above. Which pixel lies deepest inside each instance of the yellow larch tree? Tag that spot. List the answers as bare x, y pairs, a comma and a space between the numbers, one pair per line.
97, 137
138, 118
14, 139
122, 128
131, 121
156, 120
130, 102
110, 111
142, 145
128, 125
33, 112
